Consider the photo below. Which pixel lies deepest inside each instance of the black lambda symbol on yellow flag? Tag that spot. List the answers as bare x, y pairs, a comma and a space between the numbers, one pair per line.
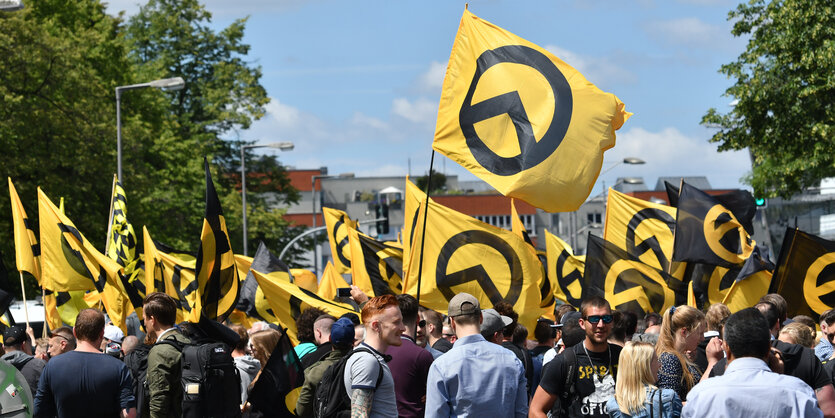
532, 152
822, 270
650, 244
343, 243
445, 281
647, 286
569, 281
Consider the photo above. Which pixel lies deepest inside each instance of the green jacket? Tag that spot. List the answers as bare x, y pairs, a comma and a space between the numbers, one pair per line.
165, 389
312, 376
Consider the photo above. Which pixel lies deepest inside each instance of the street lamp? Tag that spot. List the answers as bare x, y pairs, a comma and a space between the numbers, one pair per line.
10, 5
313, 199
627, 160
165, 84
284, 146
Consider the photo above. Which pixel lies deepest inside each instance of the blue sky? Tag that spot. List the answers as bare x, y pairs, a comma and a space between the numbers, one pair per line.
355, 84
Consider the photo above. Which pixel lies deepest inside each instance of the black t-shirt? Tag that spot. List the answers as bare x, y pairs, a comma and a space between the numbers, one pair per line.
442, 345
81, 384
829, 367
540, 349
798, 361
595, 383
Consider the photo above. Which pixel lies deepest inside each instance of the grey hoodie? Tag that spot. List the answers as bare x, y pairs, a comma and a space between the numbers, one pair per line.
29, 367
248, 367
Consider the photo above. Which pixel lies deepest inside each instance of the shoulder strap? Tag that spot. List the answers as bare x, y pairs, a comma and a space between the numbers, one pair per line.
570, 361
365, 350
174, 343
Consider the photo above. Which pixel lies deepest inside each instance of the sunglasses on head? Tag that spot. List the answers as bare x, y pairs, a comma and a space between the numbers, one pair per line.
594, 319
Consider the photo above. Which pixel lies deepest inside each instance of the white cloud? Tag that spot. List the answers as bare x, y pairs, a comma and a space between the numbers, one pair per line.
433, 79
689, 31
420, 111
361, 120
598, 70
382, 170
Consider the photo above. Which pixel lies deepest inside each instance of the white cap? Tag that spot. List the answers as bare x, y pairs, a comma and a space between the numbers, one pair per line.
113, 333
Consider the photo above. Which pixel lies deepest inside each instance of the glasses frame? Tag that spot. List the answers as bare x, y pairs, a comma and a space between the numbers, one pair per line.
595, 319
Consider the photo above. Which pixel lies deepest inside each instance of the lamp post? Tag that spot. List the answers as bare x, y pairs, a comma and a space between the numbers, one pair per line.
284, 146
10, 5
313, 199
627, 160
165, 84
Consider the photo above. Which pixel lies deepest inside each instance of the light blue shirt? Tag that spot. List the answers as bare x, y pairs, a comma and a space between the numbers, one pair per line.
824, 349
476, 378
750, 389
668, 405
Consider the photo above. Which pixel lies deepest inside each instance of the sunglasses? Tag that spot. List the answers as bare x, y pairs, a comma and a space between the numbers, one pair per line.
422, 323
594, 319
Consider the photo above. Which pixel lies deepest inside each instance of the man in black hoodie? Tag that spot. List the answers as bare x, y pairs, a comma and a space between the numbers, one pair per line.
17, 346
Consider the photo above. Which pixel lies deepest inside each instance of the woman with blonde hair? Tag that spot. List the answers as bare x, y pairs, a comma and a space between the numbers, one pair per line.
262, 343
682, 329
635, 392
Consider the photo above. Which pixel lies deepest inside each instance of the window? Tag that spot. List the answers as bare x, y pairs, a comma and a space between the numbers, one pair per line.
594, 218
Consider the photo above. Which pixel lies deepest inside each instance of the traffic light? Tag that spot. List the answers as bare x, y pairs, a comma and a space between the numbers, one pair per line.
761, 202
382, 211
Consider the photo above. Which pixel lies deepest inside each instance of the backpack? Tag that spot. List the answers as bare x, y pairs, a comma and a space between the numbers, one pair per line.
569, 394
210, 381
331, 399
137, 362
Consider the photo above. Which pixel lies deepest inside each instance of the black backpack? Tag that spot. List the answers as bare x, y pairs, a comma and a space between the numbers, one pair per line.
331, 399
137, 362
210, 381
569, 394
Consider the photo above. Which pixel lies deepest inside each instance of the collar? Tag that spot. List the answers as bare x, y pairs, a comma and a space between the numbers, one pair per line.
469, 339
747, 363
166, 332
386, 357
407, 337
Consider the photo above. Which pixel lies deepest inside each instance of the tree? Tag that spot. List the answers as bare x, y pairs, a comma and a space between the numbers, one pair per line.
438, 182
784, 86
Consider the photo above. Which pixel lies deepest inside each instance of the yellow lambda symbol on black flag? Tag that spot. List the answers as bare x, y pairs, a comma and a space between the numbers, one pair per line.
530, 151
645, 286
445, 281
726, 237
822, 271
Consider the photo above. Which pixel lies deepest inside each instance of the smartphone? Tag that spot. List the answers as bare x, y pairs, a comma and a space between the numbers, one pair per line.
343, 292
711, 334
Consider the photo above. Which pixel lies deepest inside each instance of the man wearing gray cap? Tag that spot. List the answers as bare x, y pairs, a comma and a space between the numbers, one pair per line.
475, 377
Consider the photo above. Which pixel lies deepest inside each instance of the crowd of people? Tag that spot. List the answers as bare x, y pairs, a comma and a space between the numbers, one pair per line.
400, 359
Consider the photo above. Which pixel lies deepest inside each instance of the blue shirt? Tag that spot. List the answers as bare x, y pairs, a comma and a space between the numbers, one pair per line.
824, 349
670, 405
750, 389
476, 378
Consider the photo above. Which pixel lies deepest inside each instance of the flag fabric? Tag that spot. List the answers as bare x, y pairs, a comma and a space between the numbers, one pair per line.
305, 279
288, 301
523, 120
123, 247
252, 301
751, 284
53, 317
337, 223
279, 383
171, 272
626, 282
376, 268
216, 273
643, 229
805, 273
27, 250
565, 269
740, 202
546, 286
414, 198
331, 280
710, 283
709, 232
463, 254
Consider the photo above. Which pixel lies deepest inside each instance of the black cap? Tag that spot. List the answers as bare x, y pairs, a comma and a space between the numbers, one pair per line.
14, 335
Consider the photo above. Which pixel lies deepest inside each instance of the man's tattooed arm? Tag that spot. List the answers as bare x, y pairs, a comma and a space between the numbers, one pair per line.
361, 402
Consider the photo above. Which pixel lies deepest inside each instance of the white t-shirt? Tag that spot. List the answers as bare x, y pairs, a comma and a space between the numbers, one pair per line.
361, 372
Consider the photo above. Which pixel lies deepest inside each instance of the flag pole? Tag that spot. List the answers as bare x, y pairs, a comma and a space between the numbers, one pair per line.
110, 217
45, 322
670, 264
423, 232
25, 308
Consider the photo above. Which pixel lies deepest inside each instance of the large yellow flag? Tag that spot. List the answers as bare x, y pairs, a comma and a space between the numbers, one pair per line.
546, 282
523, 120
121, 246
337, 223
70, 262
170, 272
331, 280
288, 301
376, 267
27, 251
414, 198
463, 254
215, 270
565, 269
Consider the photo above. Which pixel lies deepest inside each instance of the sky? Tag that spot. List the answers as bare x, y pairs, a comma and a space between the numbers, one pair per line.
355, 84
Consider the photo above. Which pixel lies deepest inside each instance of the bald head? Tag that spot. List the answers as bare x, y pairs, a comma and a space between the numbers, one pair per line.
322, 328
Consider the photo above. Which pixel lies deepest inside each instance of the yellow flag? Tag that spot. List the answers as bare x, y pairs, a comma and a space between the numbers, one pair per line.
644, 229
27, 251
414, 198
172, 273
376, 267
305, 279
747, 292
288, 301
331, 281
53, 317
565, 269
337, 223
463, 254
521, 119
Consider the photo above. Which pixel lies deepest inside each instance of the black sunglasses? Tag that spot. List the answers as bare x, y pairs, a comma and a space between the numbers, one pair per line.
422, 323
594, 319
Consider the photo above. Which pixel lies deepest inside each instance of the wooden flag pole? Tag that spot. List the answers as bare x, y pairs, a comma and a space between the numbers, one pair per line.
45, 322
423, 232
25, 308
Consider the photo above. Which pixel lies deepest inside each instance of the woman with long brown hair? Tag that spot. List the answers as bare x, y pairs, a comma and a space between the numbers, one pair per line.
682, 329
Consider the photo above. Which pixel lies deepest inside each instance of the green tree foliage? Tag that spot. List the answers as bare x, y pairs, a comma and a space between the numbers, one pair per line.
785, 84
438, 182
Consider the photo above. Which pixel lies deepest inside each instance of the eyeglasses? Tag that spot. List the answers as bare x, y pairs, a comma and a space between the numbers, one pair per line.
422, 323
594, 319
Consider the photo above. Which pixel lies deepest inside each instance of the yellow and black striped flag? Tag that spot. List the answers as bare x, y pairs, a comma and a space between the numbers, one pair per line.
751, 283
331, 280
523, 120
122, 246
805, 273
27, 250
288, 301
171, 272
565, 269
376, 268
216, 272
414, 198
252, 301
463, 254
337, 223
709, 232
626, 282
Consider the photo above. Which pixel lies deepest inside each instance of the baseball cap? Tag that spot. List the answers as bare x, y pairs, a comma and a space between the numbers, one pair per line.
14, 334
567, 317
342, 332
113, 349
113, 333
463, 304
493, 321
